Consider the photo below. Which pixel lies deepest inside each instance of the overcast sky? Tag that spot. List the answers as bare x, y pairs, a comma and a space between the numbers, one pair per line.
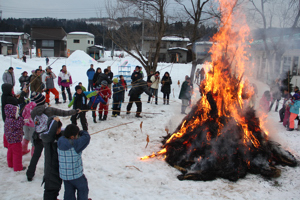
65, 9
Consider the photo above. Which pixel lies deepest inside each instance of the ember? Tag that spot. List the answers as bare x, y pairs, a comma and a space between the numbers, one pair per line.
221, 136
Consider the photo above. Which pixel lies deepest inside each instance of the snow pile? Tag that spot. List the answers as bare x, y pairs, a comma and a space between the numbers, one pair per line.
79, 57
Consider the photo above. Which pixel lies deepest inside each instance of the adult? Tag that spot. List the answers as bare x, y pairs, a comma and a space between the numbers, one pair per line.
110, 76
47, 60
287, 96
90, 74
42, 71
155, 79
64, 81
9, 98
24, 58
95, 78
24, 79
136, 75
185, 94
276, 94
197, 76
134, 96
103, 77
9, 76
36, 84
166, 82
48, 80
150, 75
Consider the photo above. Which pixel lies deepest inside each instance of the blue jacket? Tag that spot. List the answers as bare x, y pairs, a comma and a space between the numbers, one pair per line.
118, 91
90, 73
69, 155
295, 108
95, 100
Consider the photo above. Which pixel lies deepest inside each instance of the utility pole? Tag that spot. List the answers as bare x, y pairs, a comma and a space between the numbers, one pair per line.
143, 27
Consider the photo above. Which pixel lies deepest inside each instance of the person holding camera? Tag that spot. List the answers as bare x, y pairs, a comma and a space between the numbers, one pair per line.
155, 79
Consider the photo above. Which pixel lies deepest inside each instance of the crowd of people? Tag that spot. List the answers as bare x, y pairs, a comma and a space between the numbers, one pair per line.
28, 117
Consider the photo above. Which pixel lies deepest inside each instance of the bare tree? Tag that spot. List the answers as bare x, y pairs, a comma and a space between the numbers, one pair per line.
129, 39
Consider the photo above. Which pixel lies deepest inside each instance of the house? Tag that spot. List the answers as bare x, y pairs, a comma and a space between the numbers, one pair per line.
9, 42
49, 41
80, 41
201, 50
96, 51
173, 48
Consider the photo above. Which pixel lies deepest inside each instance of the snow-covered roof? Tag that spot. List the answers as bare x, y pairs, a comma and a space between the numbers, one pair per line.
81, 33
99, 46
5, 42
12, 33
201, 43
178, 48
175, 38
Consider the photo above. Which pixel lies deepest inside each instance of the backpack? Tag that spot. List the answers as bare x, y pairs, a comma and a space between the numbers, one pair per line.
40, 123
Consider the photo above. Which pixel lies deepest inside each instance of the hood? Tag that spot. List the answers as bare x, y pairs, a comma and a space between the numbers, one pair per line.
6, 89
11, 111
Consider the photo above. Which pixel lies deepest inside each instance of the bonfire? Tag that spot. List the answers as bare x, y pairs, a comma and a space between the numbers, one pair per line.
222, 135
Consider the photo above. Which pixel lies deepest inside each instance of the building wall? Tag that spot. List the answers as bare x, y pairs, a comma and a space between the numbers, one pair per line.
85, 41
58, 48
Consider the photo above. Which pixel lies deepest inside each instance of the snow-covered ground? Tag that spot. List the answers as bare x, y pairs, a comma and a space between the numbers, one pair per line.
111, 161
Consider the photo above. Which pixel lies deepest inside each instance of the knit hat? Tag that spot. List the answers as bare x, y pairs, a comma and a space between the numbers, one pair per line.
38, 98
104, 83
296, 96
78, 87
115, 80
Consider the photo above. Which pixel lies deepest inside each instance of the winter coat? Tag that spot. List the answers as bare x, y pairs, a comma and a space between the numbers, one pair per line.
295, 107
149, 77
103, 77
36, 84
141, 86
95, 78
105, 93
79, 101
50, 111
123, 83
26, 114
135, 76
70, 169
118, 91
90, 73
95, 100
8, 98
166, 85
155, 82
83, 89
64, 79
24, 80
264, 104
51, 165
8, 77
48, 80
185, 91
13, 127
275, 91
110, 75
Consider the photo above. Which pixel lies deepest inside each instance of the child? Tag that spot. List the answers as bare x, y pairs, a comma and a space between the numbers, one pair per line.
124, 84
94, 101
28, 128
14, 134
118, 90
79, 101
105, 93
51, 171
70, 147
294, 111
82, 87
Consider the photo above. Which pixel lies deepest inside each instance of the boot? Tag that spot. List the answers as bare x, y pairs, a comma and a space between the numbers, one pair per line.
168, 102
164, 102
138, 115
57, 101
104, 117
100, 117
25, 149
94, 120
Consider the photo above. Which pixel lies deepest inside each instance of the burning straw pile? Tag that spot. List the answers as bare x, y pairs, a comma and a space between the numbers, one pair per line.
221, 136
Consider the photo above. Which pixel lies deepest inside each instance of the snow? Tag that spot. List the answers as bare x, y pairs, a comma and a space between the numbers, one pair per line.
12, 33
175, 38
111, 161
81, 33
180, 48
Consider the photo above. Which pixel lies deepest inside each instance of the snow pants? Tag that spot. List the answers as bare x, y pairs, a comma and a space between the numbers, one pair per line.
80, 184
14, 156
103, 107
83, 121
116, 108
53, 91
38, 149
63, 93
5, 143
90, 85
137, 102
291, 121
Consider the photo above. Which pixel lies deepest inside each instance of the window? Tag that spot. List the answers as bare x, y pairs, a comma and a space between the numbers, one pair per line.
47, 43
88, 41
76, 41
92, 42
295, 66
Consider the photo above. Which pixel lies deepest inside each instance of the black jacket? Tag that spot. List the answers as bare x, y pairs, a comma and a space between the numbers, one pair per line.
166, 85
110, 75
134, 78
8, 98
139, 88
96, 77
51, 168
50, 111
103, 77
80, 101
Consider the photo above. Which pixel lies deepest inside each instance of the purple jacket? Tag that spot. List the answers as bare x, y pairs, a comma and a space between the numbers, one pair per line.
13, 128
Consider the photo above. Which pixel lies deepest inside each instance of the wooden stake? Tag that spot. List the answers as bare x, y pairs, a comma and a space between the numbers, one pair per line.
111, 128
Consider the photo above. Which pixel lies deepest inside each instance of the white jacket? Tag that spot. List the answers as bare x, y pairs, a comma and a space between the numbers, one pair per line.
155, 82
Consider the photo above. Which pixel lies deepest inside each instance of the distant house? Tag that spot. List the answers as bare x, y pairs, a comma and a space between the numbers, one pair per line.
201, 50
173, 48
80, 41
9, 42
50, 42
96, 51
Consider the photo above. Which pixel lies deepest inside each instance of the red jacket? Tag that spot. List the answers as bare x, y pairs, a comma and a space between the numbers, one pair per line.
105, 93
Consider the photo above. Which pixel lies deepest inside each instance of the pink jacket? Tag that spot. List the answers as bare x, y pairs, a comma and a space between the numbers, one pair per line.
264, 104
26, 114
13, 128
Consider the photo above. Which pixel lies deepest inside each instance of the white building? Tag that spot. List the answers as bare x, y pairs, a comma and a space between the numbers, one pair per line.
80, 41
